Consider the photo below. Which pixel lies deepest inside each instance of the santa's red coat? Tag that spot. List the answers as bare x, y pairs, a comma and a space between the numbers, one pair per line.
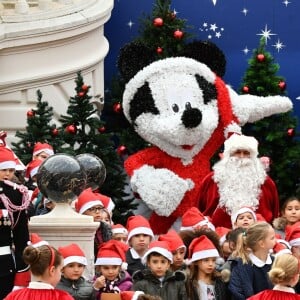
208, 200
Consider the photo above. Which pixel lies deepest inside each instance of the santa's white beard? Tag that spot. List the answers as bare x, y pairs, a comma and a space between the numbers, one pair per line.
239, 181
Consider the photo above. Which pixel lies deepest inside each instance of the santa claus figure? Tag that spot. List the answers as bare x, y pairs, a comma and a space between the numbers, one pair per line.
238, 180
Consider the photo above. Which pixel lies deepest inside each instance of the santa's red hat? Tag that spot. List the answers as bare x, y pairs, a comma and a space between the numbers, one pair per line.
240, 142
193, 218
72, 253
7, 158
36, 241
131, 295
32, 168
222, 233
107, 202
292, 234
202, 247
86, 200
42, 147
118, 228
243, 210
138, 225
111, 253
160, 247
173, 239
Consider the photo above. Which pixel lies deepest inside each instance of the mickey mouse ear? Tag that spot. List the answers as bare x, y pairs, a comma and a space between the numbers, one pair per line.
207, 53
134, 57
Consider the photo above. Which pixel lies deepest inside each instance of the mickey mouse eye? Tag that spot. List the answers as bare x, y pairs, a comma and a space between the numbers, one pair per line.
175, 108
188, 106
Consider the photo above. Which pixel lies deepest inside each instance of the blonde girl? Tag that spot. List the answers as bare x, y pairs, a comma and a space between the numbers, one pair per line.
251, 261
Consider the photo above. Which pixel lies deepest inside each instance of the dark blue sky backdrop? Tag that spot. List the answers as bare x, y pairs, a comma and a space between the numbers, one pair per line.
234, 25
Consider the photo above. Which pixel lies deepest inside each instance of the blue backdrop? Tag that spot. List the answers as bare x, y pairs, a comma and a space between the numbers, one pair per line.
234, 25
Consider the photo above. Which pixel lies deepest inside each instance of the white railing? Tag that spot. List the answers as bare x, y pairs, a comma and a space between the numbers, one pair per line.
30, 10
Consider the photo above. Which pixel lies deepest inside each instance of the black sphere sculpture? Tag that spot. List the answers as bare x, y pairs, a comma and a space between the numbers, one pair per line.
61, 178
94, 168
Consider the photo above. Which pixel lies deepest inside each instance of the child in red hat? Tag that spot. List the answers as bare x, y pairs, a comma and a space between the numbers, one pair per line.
109, 265
204, 282
158, 279
14, 200
72, 280
140, 235
42, 151
119, 233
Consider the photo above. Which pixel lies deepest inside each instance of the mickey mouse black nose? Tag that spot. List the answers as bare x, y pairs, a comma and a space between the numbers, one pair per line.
191, 117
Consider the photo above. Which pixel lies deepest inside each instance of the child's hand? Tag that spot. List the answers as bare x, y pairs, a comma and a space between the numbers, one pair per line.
99, 282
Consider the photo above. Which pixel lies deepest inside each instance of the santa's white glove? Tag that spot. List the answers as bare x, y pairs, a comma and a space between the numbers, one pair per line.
161, 189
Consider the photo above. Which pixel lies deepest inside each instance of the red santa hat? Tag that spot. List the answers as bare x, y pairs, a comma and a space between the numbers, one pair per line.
32, 168
193, 218
240, 142
173, 239
202, 247
222, 233
131, 295
160, 247
118, 228
111, 253
7, 158
86, 200
107, 202
138, 225
281, 248
292, 234
36, 241
72, 253
243, 210
42, 147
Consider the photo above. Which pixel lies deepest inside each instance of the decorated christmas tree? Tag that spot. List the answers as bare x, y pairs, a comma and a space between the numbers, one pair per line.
276, 134
163, 33
83, 131
40, 128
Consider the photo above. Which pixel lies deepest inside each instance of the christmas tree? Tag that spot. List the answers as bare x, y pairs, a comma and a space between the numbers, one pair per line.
84, 132
276, 134
39, 129
163, 33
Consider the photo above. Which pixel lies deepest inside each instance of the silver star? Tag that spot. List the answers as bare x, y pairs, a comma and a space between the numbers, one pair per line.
214, 2
279, 45
218, 34
286, 2
266, 33
246, 50
245, 11
130, 24
213, 27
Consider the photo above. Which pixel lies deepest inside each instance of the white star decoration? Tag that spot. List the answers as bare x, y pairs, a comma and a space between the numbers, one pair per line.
246, 50
245, 11
214, 2
279, 45
130, 24
213, 27
286, 2
266, 33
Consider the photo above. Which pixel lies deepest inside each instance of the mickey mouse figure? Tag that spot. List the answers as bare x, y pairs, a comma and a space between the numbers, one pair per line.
184, 109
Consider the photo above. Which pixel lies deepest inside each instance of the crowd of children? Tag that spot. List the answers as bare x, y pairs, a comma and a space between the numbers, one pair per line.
254, 259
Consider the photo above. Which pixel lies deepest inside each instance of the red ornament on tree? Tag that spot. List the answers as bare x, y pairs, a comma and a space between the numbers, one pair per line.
102, 129
55, 132
158, 22
72, 129
85, 87
282, 85
81, 94
159, 50
178, 34
291, 132
260, 57
117, 107
30, 114
245, 89
121, 150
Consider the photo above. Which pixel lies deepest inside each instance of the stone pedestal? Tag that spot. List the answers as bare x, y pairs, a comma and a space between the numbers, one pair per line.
63, 226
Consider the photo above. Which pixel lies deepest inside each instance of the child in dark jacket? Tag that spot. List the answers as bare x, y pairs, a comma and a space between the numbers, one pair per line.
72, 280
110, 276
204, 281
157, 279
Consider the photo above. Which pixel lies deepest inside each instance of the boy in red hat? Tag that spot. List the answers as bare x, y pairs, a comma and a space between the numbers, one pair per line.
72, 280
158, 279
14, 200
110, 267
42, 151
140, 235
